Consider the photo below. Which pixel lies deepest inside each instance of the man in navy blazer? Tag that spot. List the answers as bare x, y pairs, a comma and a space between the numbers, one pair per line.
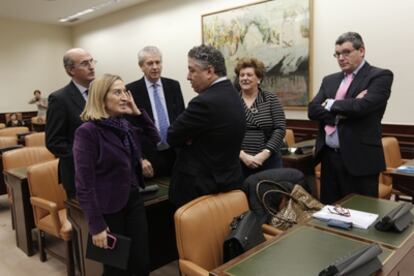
209, 132
349, 141
157, 161
62, 117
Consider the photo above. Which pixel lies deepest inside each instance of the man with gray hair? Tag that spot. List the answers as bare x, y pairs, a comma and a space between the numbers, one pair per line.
65, 106
349, 107
209, 132
163, 101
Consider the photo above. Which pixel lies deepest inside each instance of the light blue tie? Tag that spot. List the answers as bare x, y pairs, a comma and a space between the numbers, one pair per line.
161, 114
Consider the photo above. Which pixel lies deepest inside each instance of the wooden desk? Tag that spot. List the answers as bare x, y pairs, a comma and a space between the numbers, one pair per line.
22, 209
306, 250
404, 182
161, 232
301, 161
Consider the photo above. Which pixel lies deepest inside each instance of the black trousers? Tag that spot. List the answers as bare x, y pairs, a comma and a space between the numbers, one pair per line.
337, 182
131, 221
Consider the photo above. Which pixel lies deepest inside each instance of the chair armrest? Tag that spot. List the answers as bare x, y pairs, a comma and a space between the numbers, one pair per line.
50, 207
190, 268
270, 230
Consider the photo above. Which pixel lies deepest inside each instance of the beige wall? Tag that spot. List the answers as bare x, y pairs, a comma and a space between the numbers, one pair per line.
30, 58
175, 26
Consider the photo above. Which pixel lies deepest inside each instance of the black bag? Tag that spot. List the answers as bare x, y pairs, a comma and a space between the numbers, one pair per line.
246, 233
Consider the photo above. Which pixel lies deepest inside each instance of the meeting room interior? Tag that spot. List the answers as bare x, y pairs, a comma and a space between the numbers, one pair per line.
43, 229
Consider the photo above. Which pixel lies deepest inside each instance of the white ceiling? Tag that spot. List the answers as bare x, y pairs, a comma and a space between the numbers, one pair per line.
49, 11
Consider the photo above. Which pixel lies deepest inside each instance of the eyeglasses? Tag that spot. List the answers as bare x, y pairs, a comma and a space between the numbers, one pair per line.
338, 210
87, 63
344, 53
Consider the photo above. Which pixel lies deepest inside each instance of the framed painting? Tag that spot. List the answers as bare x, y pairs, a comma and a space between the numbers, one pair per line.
276, 32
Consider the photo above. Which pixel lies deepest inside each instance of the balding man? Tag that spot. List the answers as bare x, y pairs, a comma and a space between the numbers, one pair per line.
65, 106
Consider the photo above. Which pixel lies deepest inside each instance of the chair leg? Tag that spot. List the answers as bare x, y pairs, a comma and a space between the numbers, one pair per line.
41, 243
70, 267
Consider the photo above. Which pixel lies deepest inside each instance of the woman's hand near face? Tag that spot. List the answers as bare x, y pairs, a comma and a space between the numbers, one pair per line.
131, 104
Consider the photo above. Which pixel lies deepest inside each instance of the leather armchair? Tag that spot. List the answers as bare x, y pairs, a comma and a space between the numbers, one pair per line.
201, 227
393, 160
35, 140
289, 137
13, 131
47, 198
8, 141
23, 157
208, 217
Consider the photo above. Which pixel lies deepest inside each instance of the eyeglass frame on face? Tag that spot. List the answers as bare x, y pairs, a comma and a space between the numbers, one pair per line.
339, 210
345, 53
86, 63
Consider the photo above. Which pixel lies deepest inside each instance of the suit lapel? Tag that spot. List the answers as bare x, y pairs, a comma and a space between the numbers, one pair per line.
76, 96
354, 87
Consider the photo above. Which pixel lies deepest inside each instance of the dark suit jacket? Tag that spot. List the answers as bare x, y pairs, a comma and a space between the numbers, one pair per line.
104, 169
359, 127
175, 105
65, 106
210, 132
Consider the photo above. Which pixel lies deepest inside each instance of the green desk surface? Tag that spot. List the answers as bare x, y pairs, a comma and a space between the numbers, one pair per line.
372, 205
304, 251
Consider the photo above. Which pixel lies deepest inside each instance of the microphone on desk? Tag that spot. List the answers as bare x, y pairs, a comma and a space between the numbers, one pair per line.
397, 219
362, 262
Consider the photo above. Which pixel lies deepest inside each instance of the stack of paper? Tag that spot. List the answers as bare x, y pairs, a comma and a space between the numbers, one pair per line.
405, 169
359, 219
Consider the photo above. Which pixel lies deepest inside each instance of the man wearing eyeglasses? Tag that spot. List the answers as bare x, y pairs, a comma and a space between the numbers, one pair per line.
349, 107
65, 106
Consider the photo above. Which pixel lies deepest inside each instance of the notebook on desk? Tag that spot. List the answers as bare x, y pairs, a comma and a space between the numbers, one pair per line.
359, 219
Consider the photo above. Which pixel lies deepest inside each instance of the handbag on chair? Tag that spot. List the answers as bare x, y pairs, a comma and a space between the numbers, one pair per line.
291, 208
246, 232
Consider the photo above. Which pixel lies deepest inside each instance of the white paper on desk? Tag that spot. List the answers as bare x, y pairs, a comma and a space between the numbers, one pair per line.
359, 219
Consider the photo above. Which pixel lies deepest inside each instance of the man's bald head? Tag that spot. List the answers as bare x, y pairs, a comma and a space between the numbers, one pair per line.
80, 65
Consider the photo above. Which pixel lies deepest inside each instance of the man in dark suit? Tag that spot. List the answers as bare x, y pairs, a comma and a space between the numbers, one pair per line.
65, 106
349, 107
163, 101
210, 131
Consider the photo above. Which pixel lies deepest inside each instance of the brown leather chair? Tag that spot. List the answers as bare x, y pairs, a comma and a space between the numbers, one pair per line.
13, 131
384, 188
393, 160
23, 157
289, 137
201, 227
208, 217
47, 198
35, 140
8, 141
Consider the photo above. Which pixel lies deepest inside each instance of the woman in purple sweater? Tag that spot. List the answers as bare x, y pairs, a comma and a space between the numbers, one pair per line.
108, 170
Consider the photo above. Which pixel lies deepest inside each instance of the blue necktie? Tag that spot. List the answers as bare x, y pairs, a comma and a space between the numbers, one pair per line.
161, 114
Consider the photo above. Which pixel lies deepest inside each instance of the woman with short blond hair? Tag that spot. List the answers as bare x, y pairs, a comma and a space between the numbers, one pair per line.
108, 171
